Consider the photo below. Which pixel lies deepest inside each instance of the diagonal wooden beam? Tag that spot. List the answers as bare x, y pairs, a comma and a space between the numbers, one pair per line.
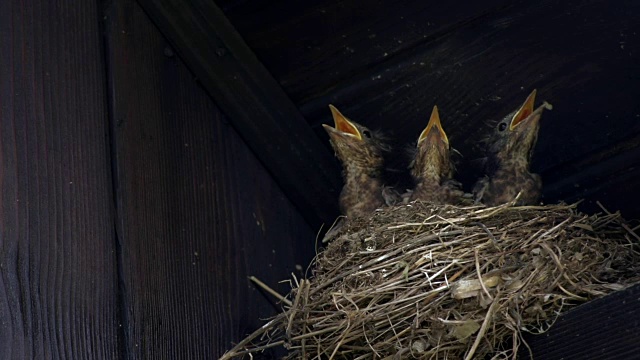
254, 103
600, 329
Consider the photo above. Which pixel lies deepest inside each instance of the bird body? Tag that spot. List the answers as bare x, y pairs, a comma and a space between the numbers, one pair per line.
361, 193
499, 188
431, 168
360, 152
509, 153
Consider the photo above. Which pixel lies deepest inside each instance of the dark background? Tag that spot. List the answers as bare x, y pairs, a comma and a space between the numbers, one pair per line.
155, 154
385, 64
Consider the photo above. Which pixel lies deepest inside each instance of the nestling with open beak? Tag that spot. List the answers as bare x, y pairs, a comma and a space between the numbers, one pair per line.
509, 152
431, 167
360, 152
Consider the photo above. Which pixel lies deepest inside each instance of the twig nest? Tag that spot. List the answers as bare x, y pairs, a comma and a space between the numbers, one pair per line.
425, 281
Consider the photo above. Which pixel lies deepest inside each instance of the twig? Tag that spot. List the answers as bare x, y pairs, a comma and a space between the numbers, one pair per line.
234, 352
294, 308
483, 329
344, 335
480, 276
266, 288
256, 349
484, 227
603, 208
630, 231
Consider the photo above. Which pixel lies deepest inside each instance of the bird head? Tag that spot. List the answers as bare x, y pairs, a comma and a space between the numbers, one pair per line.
432, 155
515, 136
355, 145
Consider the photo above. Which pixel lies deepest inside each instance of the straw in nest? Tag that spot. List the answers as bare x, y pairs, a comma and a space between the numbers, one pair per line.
445, 282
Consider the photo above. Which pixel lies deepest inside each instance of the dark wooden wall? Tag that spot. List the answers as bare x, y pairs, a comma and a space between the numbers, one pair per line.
603, 329
58, 269
197, 213
131, 213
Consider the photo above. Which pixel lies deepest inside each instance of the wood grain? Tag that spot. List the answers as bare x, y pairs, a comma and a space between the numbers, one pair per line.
198, 213
605, 328
58, 279
311, 47
254, 104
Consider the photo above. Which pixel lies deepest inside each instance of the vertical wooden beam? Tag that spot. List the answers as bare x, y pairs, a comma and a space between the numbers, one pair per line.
58, 279
197, 212
253, 102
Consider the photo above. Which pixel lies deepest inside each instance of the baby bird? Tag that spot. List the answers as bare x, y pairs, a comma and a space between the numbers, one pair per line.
509, 153
432, 168
360, 152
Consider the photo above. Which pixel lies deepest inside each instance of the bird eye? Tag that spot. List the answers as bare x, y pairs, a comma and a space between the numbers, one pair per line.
367, 134
502, 126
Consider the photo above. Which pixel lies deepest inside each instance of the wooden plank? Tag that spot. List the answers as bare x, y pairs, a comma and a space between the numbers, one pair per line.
198, 213
309, 47
605, 328
254, 103
58, 278
605, 175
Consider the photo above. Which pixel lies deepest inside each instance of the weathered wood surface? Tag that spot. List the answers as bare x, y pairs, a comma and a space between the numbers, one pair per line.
197, 211
253, 102
310, 47
58, 278
603, 329
386, 65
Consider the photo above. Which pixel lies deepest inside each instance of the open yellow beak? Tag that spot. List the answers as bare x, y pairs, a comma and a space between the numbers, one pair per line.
342, 124
434, 122
525, 110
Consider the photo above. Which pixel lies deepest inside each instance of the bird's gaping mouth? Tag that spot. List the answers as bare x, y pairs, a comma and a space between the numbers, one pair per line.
434, 122
342, 125
524, 112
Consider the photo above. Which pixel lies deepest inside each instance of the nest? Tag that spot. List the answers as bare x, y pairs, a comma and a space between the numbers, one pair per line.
444, 282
